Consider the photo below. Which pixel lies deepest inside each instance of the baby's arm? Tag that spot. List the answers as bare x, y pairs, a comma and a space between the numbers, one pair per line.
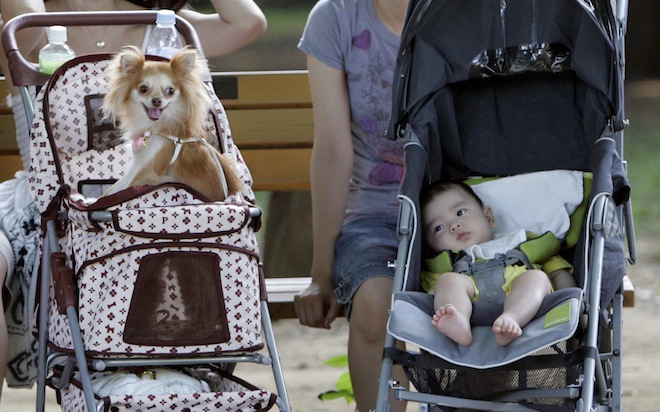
562, 279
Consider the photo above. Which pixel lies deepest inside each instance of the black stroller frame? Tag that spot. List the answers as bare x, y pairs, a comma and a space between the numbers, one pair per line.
55, 277
461, 66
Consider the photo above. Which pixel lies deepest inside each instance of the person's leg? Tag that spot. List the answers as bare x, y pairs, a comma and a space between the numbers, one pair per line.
453, 307
522, 303
366, 339
4, 342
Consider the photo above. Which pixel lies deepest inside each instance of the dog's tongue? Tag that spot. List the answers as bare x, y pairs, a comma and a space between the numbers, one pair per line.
154, 114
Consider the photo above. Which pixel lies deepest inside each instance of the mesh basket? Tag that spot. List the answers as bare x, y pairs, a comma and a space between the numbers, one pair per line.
228, 394
488, 384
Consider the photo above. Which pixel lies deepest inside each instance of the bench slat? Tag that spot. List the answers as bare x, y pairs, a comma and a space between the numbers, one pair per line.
628, 293
279, 170
271, 128
9, 164
252, 89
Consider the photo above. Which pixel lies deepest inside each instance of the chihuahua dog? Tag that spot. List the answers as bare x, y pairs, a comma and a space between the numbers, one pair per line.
162, 108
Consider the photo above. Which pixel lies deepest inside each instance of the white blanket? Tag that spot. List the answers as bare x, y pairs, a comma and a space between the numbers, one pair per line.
488, 250
160, 381
538, 202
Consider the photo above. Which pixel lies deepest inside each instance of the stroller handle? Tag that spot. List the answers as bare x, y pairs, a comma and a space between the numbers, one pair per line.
25, 73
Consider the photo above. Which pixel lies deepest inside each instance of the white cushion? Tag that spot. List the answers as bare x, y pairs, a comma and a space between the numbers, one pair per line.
538, 202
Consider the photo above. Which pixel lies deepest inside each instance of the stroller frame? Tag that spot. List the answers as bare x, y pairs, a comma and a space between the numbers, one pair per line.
25, 74
600, 378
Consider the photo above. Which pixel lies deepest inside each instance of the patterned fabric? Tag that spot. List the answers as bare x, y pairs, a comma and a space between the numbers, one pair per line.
165, 274
19, 222
107, 258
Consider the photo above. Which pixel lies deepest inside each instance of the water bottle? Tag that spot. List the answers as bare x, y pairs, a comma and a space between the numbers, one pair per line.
56, 52
164, 40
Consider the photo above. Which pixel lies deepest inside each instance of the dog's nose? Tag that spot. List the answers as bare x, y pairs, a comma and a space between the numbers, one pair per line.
156, 102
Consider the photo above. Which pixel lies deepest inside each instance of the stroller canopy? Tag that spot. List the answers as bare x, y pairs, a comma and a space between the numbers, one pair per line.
557, 60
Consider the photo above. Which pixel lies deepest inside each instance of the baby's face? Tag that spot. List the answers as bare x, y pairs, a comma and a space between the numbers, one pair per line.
453, 220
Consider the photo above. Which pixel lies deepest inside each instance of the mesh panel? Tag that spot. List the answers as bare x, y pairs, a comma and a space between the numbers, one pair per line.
92, 188
488, 384
101, 130
177, 300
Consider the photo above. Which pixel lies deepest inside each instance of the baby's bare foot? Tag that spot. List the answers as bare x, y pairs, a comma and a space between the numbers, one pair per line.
453, 325
506, 329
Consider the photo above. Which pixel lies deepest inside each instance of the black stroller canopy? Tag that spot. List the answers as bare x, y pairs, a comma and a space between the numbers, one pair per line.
480, 38
477, 61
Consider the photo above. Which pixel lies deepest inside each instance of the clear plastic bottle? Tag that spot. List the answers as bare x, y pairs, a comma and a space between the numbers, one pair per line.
56, 52
164, 40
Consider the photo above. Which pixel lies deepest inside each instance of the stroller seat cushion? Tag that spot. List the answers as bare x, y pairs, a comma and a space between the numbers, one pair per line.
556, 321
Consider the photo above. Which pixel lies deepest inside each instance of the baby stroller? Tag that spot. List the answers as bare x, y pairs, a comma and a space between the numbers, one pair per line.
526, 95
149, 298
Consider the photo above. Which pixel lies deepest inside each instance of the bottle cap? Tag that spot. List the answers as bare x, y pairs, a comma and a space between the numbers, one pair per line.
56, 34
165, 17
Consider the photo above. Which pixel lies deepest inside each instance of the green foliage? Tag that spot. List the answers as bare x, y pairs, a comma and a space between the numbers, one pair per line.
344, 386
643, 169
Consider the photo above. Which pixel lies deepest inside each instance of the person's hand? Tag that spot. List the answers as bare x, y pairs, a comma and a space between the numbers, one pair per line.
316, 306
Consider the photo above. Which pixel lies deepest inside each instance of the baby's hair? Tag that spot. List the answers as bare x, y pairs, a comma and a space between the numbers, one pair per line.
431, 191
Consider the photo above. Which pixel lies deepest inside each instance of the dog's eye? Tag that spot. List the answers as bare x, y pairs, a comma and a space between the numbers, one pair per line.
143, 89
169, 91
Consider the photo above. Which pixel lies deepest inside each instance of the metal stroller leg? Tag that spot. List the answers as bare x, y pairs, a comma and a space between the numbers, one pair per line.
43, 319
406, 224
283, 398
617, 367
594, 282
382, 404
80, 358
51, 246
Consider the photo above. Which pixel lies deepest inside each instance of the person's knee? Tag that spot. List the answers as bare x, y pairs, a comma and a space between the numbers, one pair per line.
371, 305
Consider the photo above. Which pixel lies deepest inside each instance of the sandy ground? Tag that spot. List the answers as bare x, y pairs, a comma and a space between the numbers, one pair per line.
303, 352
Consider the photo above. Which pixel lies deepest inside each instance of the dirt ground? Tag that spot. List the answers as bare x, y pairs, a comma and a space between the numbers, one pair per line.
303, 352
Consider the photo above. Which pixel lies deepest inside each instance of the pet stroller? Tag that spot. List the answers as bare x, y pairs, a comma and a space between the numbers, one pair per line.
150, 297
526, 98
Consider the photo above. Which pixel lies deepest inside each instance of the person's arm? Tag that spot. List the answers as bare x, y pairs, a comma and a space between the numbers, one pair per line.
236, 24
331, 167
27, 39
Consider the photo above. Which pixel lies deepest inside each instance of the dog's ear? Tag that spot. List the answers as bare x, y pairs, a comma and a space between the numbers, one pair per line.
185, 62
131, 61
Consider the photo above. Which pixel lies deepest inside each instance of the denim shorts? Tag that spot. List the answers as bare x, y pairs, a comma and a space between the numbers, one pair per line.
365, 248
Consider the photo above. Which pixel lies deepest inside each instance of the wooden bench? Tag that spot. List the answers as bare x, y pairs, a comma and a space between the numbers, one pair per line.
271, 120
270, 115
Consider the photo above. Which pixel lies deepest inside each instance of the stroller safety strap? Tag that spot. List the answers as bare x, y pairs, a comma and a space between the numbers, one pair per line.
178, 144
487, 275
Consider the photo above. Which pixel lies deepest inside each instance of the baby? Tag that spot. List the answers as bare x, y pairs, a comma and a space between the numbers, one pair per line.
455, 219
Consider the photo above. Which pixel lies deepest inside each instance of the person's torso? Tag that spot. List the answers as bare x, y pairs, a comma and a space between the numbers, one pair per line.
366, 51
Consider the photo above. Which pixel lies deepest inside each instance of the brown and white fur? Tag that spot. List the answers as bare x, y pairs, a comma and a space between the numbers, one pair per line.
154, 100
